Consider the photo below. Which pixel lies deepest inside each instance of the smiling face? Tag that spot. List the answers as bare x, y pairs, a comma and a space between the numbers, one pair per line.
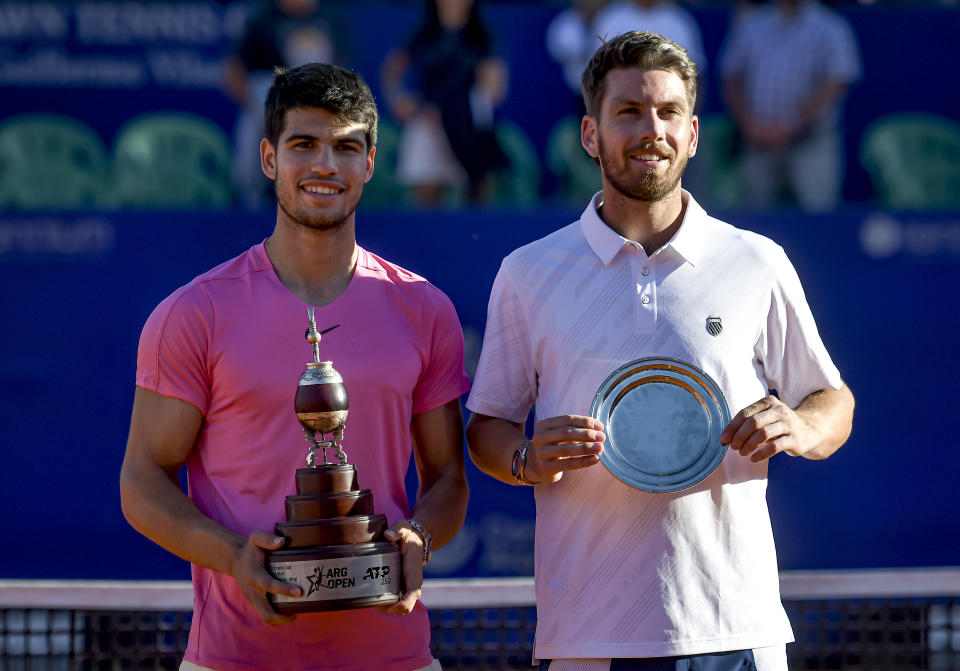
319, 165
643, 134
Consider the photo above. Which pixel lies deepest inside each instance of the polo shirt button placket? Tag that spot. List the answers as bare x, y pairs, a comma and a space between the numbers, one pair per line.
646, 312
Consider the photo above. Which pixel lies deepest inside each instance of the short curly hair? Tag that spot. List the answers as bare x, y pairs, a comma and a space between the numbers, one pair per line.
330, 87
641, 49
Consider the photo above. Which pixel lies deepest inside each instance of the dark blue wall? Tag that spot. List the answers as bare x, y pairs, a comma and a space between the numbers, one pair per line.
76, 290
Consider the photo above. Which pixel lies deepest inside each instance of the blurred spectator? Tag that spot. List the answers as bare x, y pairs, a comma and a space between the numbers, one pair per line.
787, 67
448, 110
654, 16
571, 41
283, 33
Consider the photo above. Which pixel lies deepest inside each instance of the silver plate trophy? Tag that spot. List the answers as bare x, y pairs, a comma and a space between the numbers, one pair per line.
335, 549
663, 418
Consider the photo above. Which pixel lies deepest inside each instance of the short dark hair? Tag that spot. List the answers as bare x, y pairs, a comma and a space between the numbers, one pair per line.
641, 49
330, 87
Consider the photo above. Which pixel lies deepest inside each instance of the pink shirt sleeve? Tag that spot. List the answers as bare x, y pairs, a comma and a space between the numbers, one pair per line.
172, 356
444, 377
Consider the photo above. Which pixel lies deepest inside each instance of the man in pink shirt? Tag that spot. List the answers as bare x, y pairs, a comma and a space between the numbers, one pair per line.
217, 371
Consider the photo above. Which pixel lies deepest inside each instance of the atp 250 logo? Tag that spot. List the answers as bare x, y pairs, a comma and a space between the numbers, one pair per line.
381, 573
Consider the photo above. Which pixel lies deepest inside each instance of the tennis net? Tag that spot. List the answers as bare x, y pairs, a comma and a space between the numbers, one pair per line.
869, 620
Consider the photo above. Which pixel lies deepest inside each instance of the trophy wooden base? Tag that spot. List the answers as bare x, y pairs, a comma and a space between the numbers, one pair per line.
335, 549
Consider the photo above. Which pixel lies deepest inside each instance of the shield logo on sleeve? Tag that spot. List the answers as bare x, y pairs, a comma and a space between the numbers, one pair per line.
714, 326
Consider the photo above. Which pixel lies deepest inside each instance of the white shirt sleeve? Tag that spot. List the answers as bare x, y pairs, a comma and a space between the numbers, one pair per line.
794, 359
505, 384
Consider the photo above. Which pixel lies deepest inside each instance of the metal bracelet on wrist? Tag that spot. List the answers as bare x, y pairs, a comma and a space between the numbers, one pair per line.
425, 538
519, 466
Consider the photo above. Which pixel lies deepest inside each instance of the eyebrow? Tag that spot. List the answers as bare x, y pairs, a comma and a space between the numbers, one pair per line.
353, 136
640, 103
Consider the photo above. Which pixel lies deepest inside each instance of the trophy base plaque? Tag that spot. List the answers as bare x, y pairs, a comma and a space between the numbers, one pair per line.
337, 577
335, 549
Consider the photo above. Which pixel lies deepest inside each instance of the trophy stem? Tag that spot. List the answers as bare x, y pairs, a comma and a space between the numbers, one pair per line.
313, 337
324, 444
311, 447
337, 437
313, 444
312, 455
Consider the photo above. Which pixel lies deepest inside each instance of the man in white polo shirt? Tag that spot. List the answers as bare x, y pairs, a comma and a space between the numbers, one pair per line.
628, 579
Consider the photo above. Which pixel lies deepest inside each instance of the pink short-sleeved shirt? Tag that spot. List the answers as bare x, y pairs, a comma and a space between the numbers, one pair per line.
232, 344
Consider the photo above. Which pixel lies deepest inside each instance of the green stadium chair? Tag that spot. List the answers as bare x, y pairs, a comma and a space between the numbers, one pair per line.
385, 189
519, 184
577, 173
913, 160
172, 160
718, 164
49, 161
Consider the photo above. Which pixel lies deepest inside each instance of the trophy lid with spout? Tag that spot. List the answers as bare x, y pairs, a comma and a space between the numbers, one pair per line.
321, 401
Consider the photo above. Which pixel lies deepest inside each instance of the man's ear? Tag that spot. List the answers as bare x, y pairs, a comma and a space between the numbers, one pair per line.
694, 136
370, 162
588, 136
268, 159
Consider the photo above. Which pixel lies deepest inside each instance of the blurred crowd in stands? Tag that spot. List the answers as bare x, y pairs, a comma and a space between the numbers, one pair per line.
773, 136
787, 66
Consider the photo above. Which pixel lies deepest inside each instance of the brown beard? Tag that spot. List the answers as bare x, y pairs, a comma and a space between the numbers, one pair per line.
648, 187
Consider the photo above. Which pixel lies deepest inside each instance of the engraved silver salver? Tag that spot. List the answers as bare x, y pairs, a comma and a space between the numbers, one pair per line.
663, 419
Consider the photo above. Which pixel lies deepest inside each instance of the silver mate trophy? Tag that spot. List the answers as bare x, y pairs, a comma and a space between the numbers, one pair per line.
335, 549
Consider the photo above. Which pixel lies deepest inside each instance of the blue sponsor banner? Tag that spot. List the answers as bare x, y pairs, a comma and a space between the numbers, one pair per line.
77, 289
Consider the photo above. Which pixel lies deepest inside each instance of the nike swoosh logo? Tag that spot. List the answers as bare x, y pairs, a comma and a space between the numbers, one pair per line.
324, 331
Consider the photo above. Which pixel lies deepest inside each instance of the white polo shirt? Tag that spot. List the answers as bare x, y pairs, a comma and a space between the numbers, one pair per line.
621, 572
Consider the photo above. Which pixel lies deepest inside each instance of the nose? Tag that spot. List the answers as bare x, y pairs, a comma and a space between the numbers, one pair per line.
651, 127
324, 161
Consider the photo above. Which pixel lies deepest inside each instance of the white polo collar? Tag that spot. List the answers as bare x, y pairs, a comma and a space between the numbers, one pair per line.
605, 242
